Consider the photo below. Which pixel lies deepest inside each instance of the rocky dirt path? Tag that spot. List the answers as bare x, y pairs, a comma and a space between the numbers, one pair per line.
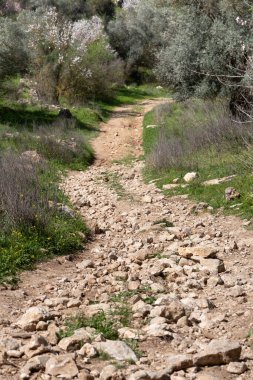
177, 282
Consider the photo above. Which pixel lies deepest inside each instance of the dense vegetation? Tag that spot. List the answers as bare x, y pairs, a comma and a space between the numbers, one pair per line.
78, 55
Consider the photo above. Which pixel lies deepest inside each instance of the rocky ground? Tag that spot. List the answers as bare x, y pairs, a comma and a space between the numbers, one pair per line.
163, 291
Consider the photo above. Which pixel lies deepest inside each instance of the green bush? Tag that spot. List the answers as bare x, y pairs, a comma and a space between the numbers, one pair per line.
136, 34
14, 54
23, 200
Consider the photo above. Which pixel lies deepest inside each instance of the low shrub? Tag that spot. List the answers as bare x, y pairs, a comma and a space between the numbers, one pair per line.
21, 249
62, 144
104, 323
162, 112
201, 136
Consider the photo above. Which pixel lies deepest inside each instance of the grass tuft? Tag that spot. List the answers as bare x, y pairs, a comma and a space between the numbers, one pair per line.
100, 322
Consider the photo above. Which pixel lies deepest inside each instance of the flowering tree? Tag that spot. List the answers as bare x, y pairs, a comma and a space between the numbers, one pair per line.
59, 46
130, 4
85, 32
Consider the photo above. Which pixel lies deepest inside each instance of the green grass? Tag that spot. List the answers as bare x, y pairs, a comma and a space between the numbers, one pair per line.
123, 296
101, 322
126, 161
150, 300
22, 249
132, 94
104, 356
114, 183
123, 314
209, 164
172, 123
106, 324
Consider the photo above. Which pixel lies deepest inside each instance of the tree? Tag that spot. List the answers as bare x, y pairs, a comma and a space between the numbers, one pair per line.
69, 9
207, 48
14, 56
62, 55
136, 33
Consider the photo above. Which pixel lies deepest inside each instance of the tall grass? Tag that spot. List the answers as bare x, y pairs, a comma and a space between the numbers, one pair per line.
32, 225
57, 142
201, 136
23, 200
201, 126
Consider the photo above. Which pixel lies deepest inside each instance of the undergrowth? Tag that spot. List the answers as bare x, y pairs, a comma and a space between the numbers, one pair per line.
200, 136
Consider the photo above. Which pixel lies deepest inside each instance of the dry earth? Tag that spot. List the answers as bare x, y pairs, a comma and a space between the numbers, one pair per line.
185, 287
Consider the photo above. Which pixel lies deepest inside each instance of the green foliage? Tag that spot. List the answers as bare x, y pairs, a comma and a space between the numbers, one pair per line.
205, 50
21, 249
114, 183
104, 356
123, 314
123, 296
76, 9
103, 8
67, 57
136, 34
100, 322
150, 300
31, 234
64, 146
34, 225
14, 57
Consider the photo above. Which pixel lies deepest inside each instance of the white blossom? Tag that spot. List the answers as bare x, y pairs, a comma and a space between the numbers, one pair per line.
130, 4
47, 31
68, 41
85, 32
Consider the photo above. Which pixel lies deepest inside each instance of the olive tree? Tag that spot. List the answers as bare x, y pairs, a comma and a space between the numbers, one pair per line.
137, 31
207, 50
14, 55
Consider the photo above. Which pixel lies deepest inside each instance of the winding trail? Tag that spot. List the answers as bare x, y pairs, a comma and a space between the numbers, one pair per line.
178, 301
121, 136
